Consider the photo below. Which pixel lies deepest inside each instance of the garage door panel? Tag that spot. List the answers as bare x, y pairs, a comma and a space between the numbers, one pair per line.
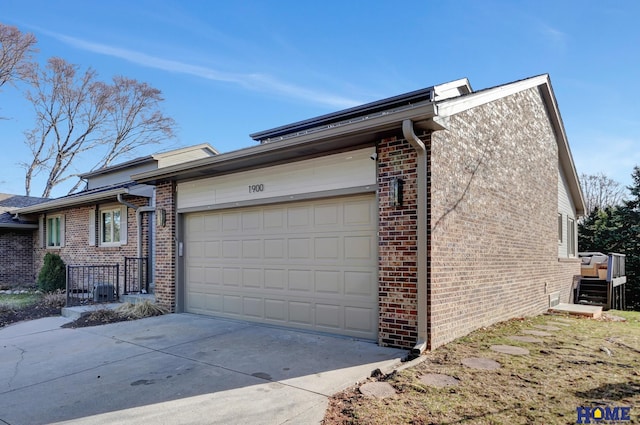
357, 247
274, 248
300, 312
298, 217
358, 319
327, 248
300, 280
327, 214
213, 275
252, 278
253, 307
328, 282
252, 249
358, 283
212, 249
328, 316
231, 276
251, 221
275, 279
309, 265
231, 249
232, 304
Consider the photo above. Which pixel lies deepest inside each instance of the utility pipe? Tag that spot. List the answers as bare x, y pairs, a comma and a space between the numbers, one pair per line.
418, 145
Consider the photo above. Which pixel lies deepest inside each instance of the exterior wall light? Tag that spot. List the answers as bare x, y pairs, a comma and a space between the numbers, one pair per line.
396, 192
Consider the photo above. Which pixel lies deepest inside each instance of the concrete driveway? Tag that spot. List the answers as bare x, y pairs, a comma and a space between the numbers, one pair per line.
176, 369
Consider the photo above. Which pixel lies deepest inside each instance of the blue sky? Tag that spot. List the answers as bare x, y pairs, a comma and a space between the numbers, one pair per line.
228, 69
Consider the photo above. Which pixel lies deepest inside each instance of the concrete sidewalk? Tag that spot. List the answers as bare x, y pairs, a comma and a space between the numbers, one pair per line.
176, 369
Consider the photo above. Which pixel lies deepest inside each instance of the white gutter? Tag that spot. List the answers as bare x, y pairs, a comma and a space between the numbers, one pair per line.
139, 211
418, 145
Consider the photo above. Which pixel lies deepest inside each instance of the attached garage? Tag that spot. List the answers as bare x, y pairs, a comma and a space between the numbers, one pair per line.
310, 265
305, 260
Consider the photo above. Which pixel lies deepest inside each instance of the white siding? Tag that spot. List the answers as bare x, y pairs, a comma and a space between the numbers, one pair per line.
333, 172
568, 210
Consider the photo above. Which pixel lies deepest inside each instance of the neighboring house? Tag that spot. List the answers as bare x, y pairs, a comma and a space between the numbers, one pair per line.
16, 242
111, 219
411, 220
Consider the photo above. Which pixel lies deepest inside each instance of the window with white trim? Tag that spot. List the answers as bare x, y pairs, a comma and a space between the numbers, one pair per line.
55, 231
112, 226
571, 237
559, 227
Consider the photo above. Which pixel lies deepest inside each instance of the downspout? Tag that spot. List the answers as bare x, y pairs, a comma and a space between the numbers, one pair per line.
139, 211
418, 145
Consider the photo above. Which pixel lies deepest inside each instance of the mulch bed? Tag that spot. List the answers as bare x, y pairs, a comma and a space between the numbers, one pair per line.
41, 310
36, 311
96, 318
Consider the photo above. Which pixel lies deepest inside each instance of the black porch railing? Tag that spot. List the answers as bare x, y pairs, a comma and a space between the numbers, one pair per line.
136, 275
92, 284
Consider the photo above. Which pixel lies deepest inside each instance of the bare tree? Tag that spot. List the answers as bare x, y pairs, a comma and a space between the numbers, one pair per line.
15, 51
76, 113
600, 191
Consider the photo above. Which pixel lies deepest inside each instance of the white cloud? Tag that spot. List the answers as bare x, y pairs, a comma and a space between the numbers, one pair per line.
556, 37
251, 81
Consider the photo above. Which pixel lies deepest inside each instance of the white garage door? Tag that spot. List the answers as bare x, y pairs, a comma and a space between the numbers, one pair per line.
309, 265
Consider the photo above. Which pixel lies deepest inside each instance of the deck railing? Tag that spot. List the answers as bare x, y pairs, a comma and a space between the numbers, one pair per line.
92, 284
615, 266
616, 279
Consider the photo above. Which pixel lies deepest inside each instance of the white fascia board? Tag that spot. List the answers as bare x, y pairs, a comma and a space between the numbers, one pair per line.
452, 89
454, 106
201, 146
72, 201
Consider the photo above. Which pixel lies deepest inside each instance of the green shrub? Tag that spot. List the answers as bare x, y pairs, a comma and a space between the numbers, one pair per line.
52, 274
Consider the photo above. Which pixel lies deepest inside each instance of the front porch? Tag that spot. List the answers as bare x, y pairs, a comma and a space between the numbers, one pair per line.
88, 285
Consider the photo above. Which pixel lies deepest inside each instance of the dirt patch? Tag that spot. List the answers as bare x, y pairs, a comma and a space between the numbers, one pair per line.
31, 312
567, 370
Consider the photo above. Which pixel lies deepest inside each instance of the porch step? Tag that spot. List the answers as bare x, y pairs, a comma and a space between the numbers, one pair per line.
78, 311
137, 298
591, 311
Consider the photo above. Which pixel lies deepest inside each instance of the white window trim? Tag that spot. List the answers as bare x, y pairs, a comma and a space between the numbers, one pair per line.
572, 242
123, 225
560, 229
59, 243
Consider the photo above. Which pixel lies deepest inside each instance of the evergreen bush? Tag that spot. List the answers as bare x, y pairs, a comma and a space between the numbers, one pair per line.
52, 275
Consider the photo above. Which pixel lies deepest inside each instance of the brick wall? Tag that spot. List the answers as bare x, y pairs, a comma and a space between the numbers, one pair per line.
165, 267
16, 258
397, 249
76, 249
493, 218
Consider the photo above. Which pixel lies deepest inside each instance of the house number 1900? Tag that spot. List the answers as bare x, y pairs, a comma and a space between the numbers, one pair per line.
256, 188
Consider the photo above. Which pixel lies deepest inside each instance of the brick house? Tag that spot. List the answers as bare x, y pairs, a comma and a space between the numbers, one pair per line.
16, 241
112, 218
412, 220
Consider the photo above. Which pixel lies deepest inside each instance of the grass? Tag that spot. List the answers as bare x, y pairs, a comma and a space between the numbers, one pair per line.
19, 301
584, 363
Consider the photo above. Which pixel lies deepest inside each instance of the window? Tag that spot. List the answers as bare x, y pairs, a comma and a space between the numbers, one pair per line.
571, 237
559, 227
55, 231
111, 227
